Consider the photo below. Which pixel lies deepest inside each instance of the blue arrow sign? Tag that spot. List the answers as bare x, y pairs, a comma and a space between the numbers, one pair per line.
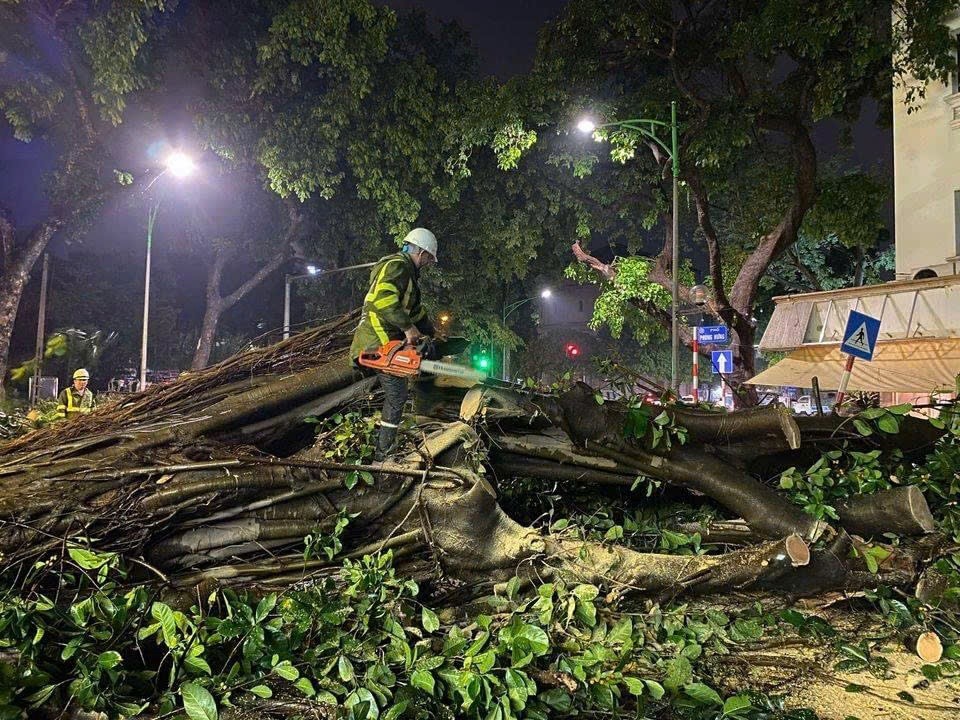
713, 335
860, 337
722, 361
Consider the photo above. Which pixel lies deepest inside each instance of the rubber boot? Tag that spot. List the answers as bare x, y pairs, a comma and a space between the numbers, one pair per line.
386, 443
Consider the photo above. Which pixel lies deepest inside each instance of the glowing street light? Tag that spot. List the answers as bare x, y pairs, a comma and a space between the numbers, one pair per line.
648, 128
508, 310
180, 164
586, 126
312, 271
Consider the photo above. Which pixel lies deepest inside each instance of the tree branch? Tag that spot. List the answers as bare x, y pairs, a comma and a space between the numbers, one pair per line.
774, 243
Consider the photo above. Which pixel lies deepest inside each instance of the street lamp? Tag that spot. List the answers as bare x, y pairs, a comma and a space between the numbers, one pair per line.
179, 165
648, 129
508, 310
312, 272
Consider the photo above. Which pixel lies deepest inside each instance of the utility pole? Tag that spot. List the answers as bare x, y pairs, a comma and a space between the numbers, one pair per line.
151, 220
41, 330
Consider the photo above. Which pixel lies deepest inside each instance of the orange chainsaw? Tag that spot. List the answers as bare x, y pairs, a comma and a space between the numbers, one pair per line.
401, 359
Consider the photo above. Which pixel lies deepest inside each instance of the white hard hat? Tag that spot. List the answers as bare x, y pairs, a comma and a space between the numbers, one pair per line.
424, 239
81, 374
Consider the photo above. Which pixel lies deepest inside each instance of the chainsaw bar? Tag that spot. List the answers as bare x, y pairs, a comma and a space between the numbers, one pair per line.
449, 369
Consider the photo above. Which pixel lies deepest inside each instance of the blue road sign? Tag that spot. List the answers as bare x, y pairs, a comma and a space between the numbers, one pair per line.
713, 335
722, 361
860, 337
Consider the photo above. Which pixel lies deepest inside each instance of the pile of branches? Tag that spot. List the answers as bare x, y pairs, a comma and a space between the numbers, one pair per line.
216, 478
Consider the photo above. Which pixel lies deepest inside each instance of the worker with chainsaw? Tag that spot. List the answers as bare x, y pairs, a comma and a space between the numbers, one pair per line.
77, 400
392, 311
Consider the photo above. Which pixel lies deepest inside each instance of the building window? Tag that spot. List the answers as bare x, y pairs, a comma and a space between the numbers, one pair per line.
581, 305
956, 222
955, 75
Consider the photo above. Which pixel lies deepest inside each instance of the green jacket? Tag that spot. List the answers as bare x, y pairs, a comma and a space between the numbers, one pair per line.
391, 306
70, 403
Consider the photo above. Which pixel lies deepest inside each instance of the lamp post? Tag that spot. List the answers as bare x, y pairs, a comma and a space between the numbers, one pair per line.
508, 310
180, 165
312, 272
648, 129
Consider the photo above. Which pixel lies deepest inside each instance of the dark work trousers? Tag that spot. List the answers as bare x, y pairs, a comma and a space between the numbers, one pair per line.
395, 394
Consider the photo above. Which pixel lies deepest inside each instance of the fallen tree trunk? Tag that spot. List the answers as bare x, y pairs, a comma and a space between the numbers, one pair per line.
220, 480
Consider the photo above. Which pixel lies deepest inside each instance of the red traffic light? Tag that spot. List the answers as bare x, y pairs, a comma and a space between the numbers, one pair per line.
572, 350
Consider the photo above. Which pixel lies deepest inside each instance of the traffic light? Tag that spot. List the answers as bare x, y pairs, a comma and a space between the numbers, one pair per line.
572, 350
481, 361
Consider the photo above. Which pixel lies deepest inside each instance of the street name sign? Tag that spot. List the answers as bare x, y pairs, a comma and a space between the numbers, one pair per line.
713, 335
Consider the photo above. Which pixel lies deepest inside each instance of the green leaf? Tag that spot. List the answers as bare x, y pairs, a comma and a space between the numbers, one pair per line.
89, 560
655, 689
109, 659
286, 670
621, 633
901, 409
586, 592
484, 661
889, 424
862, 427
679, 673
634, 685
539, 642
168, 625
423, 680
431, 623
736, 704
198, 703
703, 694
40, 696
305, 686
395, 711
345, 669
265, 607
262, 691
71, 648
198, 665
557, 699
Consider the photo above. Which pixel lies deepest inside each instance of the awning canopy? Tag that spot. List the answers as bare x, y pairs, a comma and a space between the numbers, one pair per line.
916, 365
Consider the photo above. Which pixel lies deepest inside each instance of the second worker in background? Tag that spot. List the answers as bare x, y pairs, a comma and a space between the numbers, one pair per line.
392, 310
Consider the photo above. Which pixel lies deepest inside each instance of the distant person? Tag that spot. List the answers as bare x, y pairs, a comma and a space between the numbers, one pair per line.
78, 399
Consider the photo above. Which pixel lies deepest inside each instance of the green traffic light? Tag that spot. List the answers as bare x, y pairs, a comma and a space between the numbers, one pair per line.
483, 363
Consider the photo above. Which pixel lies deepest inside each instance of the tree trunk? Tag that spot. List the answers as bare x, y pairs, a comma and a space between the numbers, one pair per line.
16, 274
208, 331
216, 304
212, 478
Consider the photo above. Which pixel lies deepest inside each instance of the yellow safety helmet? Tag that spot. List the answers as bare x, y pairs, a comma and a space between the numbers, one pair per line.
81, 374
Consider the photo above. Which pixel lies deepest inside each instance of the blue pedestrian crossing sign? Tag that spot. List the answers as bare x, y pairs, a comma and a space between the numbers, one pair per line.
722, 361
860, 337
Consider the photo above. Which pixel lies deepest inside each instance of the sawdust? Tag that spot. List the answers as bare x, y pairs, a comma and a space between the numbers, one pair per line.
807, 678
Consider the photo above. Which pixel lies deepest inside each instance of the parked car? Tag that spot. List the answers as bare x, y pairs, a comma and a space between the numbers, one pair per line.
806, 405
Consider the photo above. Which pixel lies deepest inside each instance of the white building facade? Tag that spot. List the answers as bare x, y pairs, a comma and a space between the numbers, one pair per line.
918, 349
926, 168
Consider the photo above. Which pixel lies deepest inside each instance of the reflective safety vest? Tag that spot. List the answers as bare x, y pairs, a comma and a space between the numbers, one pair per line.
391, 305
70, 403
